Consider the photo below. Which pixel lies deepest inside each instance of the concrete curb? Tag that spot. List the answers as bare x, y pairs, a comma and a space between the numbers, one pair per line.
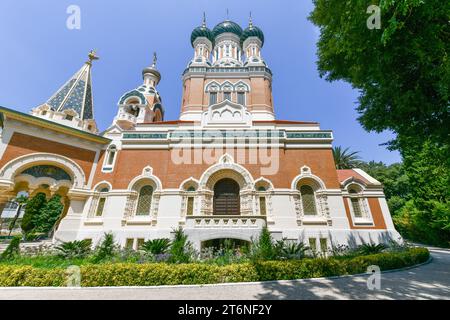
217, 284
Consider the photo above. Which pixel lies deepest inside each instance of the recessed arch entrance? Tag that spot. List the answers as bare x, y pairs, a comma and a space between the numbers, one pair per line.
41, 173
226, 201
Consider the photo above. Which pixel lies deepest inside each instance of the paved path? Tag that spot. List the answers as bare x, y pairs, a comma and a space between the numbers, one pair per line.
429, 281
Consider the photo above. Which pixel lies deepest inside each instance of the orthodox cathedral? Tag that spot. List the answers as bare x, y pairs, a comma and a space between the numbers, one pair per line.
224, 170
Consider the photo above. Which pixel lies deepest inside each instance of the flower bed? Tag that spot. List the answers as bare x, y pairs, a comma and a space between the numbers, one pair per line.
156, 274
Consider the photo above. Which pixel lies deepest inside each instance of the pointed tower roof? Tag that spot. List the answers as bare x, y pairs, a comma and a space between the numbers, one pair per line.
76, 93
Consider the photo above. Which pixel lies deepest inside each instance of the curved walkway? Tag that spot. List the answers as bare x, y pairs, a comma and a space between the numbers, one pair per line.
429, 281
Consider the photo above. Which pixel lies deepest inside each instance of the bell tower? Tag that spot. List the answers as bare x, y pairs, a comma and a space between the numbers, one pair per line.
227, 67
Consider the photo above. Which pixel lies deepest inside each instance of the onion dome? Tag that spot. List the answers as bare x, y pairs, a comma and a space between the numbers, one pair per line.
152, 69
252, 31
227, 26
202, 31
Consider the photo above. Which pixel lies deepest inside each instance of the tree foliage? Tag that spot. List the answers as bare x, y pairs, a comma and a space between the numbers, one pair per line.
45, 219
345, 159
402, 70
33, 208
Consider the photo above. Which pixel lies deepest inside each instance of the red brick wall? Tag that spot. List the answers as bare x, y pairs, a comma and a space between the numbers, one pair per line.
22, 144
130, 163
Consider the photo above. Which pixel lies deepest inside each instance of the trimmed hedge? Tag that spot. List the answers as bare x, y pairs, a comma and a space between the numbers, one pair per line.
157, 274
317, 268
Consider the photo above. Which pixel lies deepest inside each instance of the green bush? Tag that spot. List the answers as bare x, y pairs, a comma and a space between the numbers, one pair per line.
156, 274
180, 249
74, 249
314, 268
371, 248
156, 246
107, 248
264, 247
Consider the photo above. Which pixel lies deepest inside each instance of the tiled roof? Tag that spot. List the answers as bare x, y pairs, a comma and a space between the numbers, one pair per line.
348, 173
75, 94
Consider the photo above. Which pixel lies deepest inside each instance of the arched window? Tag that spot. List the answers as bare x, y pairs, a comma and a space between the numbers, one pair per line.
356, 206
110, 158
226, 197
241, 98
144, 201
212, 98
227, 95
308, 200
101, 202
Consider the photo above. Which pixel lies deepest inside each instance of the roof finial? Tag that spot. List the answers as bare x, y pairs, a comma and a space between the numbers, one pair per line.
92, 56
228, 14
204, 20
155, 59
250, 21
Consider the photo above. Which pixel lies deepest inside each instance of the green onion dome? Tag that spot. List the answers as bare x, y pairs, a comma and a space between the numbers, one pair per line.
227, 26
202, 31
252, 31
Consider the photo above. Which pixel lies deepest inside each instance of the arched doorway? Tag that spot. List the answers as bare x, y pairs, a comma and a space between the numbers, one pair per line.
226, 198
226, 244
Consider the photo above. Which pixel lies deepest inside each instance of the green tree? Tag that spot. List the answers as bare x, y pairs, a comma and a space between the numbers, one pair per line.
345, 159
33, 208
46, 218
401, 70
395, 182
426, 216
402, 73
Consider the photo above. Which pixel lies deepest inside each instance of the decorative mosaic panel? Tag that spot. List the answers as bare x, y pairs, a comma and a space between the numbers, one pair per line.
48, 172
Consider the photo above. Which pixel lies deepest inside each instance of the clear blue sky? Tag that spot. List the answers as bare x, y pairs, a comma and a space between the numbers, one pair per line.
38, 54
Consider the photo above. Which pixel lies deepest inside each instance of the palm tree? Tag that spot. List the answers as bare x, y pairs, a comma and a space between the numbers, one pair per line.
21, 201
345, 159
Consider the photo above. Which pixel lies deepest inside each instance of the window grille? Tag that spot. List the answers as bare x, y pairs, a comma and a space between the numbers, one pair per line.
308, 200
144, 201
190, 206
262, 206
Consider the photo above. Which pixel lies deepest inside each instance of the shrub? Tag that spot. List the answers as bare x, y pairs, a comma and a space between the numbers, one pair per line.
74, 249
12, 250
264, 247
180, 249
313, 268
106, 249
156, 274
293, 250
156, 246
371, 248
164, 274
